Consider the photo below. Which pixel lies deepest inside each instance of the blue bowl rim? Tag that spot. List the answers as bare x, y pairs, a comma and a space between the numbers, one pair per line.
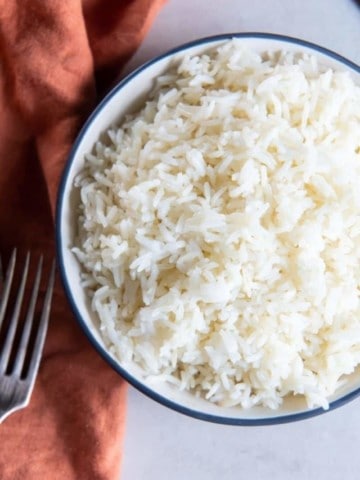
236, 421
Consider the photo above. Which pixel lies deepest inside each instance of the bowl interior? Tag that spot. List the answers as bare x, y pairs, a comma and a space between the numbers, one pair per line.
126, 97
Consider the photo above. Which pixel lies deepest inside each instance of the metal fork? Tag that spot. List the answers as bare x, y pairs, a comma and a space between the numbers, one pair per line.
17, 380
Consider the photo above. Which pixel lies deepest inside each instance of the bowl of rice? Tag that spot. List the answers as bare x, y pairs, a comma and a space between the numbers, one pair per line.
208, 229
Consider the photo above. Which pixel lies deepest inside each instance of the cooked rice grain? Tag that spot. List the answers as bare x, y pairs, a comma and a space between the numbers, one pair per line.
219, 228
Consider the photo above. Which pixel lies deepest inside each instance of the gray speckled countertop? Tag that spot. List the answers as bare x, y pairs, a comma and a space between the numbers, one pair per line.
164, 445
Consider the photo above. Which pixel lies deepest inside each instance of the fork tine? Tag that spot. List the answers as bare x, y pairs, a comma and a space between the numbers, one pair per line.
21, 351
5, 354
7, 285
41, 333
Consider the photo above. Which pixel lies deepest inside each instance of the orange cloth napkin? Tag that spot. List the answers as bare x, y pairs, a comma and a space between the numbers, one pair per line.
57, 58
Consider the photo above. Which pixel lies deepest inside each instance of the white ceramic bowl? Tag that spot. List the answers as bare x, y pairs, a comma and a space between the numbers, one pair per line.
125, 97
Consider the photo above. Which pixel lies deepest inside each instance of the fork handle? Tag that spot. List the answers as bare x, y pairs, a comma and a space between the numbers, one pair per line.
3, 415
6, 413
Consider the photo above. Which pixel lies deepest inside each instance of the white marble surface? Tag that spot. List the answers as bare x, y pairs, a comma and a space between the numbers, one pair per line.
164, 445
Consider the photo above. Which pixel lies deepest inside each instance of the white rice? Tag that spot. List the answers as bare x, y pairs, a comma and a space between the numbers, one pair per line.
219, 229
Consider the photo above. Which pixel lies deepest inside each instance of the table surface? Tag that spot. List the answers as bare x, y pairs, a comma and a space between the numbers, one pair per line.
161, 444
